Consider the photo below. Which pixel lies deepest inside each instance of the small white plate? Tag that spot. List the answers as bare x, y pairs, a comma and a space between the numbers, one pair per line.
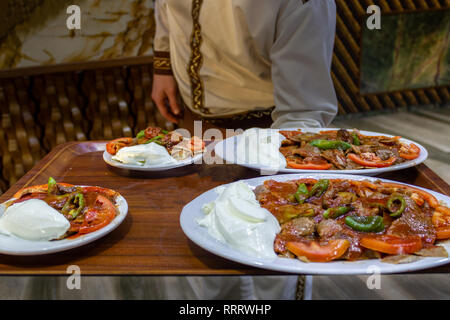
12, 245
200, 236
226, 149
108, 159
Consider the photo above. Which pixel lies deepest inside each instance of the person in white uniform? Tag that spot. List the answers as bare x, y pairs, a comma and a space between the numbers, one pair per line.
234, 57
235, 62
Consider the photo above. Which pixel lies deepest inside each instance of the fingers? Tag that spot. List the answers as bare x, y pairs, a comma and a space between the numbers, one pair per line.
163, 109
173, 103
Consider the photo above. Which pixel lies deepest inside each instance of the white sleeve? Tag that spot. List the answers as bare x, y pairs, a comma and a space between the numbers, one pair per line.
301, 61
161, 39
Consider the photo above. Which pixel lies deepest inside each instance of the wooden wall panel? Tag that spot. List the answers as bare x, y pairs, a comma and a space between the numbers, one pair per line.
346, 59
142, 106
108, 104
19, 131
61, 112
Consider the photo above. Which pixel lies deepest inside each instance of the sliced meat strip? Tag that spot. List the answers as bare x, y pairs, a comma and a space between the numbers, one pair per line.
385, 154
345, 136
307, 151
336, 157
413, 222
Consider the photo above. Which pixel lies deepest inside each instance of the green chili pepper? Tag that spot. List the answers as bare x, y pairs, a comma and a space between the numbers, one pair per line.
302, 193
365, 224
51, 185
356, 141
74, 205
154, 139
319, 188
333, 213
165, 131
141, 134
396, 197
330, 144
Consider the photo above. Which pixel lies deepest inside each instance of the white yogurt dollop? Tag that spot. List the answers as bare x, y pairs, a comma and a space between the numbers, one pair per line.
260, 146
236, 218
144, 155
34, 220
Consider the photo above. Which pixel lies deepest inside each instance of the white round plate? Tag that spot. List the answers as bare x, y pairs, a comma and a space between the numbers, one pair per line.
226, 149
108, 159
200, 236
12, 245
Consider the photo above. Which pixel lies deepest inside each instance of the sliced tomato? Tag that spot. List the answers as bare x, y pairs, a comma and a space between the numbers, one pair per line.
152, 132
441, 222
309, 166
374, 162
39, 196
315, 252
288, 134
98, 215
109, 193
443, 232
115, 145
392, 244
417, 199
409, 152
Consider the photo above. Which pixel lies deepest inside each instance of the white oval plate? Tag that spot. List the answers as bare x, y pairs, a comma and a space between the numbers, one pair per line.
199, 235
108, 159
226, 149
12, 245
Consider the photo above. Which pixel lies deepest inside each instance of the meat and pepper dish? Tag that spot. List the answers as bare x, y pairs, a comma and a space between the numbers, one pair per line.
86, 208
329, 219
343, 150
177, 146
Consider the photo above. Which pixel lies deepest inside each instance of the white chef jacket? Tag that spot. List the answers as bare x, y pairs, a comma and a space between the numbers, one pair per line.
253, 54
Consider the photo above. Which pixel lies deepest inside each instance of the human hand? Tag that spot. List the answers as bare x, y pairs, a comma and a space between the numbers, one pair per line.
164, 94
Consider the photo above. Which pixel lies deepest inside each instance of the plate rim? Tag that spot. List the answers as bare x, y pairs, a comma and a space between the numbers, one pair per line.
220, 146
107, 158
68, 244
295, 266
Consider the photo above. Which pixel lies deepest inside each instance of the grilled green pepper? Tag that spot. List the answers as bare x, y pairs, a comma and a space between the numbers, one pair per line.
395, 197
74, 205
154, 139
365, 224
51, 186
302, 193
319, 188
333, 213
141, 134
330, 144
356, 140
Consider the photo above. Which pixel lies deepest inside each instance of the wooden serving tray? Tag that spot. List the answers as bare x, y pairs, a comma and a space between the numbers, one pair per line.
150, 240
